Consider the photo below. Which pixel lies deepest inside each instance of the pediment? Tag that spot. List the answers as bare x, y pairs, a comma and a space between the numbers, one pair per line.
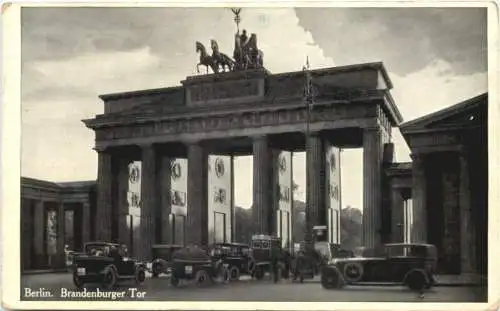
472, 112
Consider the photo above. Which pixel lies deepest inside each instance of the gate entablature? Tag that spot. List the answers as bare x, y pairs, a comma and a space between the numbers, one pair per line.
248, 103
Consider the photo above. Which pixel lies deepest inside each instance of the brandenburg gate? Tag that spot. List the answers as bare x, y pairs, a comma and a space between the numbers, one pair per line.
242, 109
250, 112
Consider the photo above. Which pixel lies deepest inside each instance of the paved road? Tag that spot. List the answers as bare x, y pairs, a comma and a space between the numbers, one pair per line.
265, 290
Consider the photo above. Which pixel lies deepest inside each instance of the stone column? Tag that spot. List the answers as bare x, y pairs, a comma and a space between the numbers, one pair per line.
197, 191
373, 149
85, 223
419, 198
315, 180
122, 210
467, 230
166, 200
148, 202
60, 261
39, 227
104, 196
397, 213
274, 201
233, 215
262, 191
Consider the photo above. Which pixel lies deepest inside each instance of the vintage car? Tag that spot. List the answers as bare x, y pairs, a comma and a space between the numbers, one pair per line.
262, 248
106, 263
236, 256
308, 263
193, 263
162, 257
412, 265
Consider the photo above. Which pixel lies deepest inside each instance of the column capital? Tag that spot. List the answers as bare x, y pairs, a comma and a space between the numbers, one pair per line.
416, 156
373, 128
259, 137
145, 145
192, 142
100, 149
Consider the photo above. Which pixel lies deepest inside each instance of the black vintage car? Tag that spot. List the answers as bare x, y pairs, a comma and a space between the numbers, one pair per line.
194, 264
162, 258
308, 263
107, 264
236, 256
263, 248
412, 265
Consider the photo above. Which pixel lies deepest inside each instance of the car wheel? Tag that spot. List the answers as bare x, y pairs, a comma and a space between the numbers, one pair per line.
331, 279
109, 279
174, 281
234, 273
416, 280
259, 273
201, 277
156, 270
140, 276
353, 272
77, 281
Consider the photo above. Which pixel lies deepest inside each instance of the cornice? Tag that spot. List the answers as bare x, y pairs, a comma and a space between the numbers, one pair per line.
186, 113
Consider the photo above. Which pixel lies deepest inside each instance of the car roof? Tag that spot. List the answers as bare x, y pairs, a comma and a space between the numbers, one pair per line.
103, 243
409, 244
264, 237
232, 244
167, 246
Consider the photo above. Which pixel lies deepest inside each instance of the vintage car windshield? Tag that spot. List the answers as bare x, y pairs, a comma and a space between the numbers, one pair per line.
407, 251
97, 249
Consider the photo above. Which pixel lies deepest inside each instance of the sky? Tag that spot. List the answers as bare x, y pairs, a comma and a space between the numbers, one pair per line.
435, 57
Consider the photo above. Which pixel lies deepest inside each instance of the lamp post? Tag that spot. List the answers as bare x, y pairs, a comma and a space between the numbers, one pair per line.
308, 101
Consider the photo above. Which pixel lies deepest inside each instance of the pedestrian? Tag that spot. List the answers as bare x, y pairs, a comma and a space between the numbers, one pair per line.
275, 263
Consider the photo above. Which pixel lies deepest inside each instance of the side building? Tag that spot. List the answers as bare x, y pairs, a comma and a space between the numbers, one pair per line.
441, 197
54, 215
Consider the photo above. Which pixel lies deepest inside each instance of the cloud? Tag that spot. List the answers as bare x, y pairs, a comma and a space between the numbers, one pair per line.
405, 39
429, 90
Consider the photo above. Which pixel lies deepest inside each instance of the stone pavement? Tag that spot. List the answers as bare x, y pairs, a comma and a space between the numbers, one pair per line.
442, 280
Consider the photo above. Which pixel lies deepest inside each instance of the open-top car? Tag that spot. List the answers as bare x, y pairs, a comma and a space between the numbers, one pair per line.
236, 256
107, 264
194, 263
412, 265
162, 258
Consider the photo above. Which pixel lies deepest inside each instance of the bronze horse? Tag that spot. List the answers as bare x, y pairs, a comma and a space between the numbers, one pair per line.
221, 59
205, 59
